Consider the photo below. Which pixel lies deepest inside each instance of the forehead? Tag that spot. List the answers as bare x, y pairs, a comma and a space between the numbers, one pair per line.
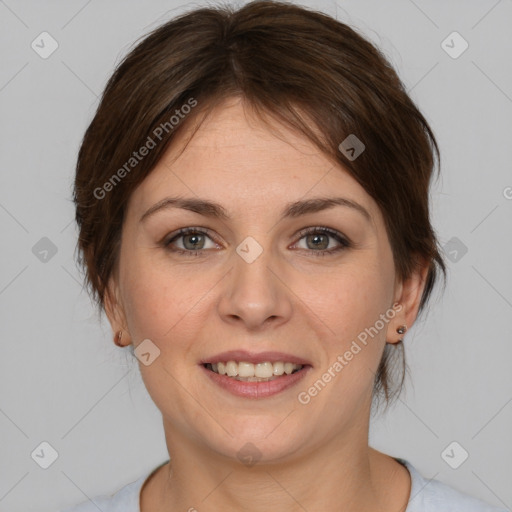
234, 132
235, 123
236, 159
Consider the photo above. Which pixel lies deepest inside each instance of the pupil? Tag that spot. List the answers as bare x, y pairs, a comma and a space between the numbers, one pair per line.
316, 238
194, 239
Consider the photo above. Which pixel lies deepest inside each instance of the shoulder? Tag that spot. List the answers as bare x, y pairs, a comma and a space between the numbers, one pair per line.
435, 496
125, 499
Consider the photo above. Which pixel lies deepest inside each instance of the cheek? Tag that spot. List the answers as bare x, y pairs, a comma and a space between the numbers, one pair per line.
163, 304
353, 348
165, 307
350, 303
352, 300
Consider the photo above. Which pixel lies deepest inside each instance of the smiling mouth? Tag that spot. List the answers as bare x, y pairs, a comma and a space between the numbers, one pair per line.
249, 372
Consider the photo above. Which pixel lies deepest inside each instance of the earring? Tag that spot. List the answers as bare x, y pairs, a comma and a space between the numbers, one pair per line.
401, 330
117, 338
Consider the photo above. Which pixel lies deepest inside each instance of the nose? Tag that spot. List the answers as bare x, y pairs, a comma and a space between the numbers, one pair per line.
255, 293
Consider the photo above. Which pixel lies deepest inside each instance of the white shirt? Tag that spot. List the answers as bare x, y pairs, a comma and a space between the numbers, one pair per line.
426, 496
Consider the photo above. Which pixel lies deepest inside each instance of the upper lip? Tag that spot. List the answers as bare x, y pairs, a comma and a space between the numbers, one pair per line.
253, 357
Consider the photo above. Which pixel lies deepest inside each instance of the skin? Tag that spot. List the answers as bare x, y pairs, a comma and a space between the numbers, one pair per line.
314, 456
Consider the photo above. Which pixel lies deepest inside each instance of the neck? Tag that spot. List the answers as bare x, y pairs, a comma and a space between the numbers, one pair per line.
334, 476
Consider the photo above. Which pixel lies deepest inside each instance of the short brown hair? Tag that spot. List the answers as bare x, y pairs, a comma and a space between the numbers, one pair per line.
301, 67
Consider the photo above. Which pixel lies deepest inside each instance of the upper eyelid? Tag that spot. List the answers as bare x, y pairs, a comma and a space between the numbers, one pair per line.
186, 231
301, 233
321, 229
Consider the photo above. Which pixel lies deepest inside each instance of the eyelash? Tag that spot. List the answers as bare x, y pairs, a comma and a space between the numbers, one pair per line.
344, 243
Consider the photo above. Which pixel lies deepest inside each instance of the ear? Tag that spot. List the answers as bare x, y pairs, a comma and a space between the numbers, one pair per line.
408, 294
115, 310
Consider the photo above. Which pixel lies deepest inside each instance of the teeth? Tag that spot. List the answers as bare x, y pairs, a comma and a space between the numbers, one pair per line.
288, 368
231, 369
244, 369
278, 368
263, 370
250, 371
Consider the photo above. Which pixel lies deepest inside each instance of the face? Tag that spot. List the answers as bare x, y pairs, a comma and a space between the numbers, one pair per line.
306, 284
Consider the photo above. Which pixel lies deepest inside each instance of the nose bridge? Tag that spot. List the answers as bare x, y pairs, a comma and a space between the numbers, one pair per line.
254, 292
252, 265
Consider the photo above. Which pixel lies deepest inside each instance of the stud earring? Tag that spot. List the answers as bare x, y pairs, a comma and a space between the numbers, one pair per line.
401, 330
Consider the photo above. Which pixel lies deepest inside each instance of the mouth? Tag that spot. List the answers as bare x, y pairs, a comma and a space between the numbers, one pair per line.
255, 380
249, 372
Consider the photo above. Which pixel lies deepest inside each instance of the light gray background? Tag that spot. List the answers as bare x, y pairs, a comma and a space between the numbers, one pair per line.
63, 381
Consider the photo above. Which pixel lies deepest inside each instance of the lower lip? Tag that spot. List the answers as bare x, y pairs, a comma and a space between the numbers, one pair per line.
257, 389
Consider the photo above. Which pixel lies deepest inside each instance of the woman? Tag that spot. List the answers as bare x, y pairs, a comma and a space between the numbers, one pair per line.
232, 149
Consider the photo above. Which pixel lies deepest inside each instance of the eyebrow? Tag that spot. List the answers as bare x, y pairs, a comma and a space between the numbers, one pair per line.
291, 210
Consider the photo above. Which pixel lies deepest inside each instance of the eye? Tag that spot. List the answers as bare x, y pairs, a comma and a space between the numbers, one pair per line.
318, 243
192, 241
